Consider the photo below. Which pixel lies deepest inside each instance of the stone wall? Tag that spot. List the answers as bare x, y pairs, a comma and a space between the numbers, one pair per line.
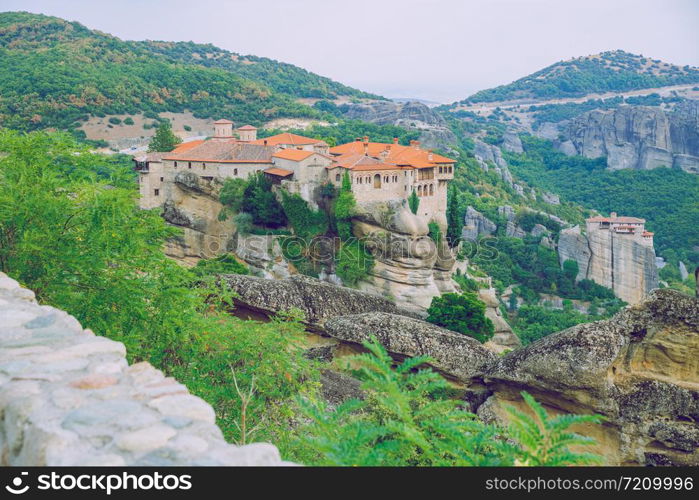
69, 397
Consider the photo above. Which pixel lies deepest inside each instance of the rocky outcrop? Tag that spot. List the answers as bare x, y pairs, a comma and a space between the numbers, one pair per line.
69, 398
263, 255
476, 224
504, 337
453, 354
192, 203
317, 300
640, 137
619, 262
409, 266
434, 130
511, 142
487, 153
639, 370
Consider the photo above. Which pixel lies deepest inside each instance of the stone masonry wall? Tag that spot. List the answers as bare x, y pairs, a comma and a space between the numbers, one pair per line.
69, 397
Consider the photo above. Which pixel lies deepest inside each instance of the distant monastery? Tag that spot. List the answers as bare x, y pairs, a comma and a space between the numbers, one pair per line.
378, 171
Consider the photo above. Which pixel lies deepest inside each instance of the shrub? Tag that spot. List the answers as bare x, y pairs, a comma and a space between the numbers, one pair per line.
114, 120
462, 313
434, 231
260, 202
408, 419
243, 221
354, 262
307, 223
187, 128
413, 202
128, 121
224, 264
345, 208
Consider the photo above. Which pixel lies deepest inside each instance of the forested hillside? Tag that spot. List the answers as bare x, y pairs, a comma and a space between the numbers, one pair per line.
666, 198
55, 73
606, 72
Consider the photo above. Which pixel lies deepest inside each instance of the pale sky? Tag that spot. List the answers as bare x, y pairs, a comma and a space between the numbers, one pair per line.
441, 50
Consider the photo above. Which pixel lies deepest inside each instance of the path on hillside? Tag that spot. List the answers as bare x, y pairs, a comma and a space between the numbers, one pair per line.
488, 107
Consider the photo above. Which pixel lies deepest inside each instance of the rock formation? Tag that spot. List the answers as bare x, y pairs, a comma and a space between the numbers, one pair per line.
640, 137
456, 355
434, 130
616, 261
408, 265
486, 153
639, 370
69, 398
193, 205
476, 224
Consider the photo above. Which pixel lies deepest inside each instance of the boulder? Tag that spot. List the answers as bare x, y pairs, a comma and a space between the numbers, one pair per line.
476, 224
453, 354
639, 370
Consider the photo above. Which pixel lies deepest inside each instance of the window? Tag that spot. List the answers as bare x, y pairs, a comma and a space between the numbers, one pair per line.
419, 190
203, 166
337, 177
377, 181
431, 189
157, 192
175, 164
441, 169
162, 179
235, 171
189, 164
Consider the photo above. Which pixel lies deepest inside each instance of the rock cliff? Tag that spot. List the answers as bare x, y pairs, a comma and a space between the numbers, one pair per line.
434, 131
619, 262
409, 266
639, 370
192, 203
640, 137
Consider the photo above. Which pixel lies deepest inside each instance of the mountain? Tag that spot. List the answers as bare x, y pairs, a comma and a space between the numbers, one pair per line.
613, 71
55, 73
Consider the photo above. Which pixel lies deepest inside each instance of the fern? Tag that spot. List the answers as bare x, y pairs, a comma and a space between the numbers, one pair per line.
545, 441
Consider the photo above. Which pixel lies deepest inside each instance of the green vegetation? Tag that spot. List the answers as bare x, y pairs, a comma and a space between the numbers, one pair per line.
57, 73
307, 223
434, 231
532, 322
607, 72
345, 207
407, 418
455, 217
260, 202
413, 202
90, 251
354, 262
665, 197
224, 264
164, 139
463, 313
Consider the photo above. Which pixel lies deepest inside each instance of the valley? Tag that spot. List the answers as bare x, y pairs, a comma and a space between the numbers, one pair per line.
235, 221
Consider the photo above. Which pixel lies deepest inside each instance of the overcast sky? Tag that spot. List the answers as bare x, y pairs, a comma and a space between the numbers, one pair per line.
442, 50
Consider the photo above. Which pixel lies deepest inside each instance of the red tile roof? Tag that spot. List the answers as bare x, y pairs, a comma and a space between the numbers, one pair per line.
279, 172
224, 151
617, 220
220, 122
293, 154
247, 127
395, 154
287, 138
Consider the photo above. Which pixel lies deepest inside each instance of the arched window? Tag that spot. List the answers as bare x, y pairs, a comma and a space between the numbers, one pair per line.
377, 181
441, 169
431, 189
337, 177
175, 164
189, 164
235, 171
450, 169
419, 190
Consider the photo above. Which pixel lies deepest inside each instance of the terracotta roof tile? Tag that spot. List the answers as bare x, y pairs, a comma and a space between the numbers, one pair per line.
393, 153
287, 138
247, 127
279, 172
225, 151
293, 154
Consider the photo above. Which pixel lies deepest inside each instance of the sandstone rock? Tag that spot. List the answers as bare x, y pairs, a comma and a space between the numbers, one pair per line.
454, 354
640, 137
476, 224
511, 142
638, 369
512, 230
550, 198
507, 211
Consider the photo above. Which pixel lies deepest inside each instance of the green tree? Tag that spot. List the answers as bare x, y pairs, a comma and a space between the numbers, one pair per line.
413, 202
164, 139
454, 220
260, 201
345, 208
463, 313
